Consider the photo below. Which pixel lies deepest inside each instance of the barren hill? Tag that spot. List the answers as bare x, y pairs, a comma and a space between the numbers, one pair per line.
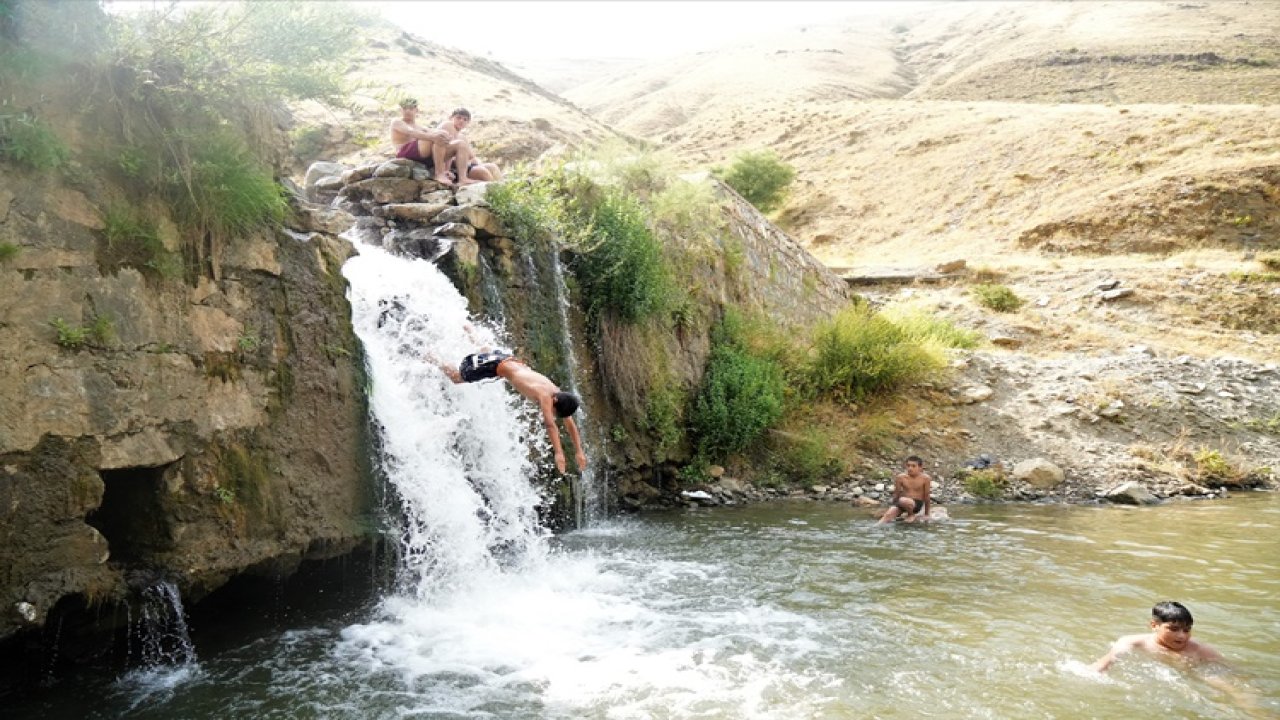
998, 132
514, 118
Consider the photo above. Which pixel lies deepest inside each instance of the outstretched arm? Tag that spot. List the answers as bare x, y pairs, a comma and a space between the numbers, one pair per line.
549, 420
450, 371
418, 133
580, 457
1118, 648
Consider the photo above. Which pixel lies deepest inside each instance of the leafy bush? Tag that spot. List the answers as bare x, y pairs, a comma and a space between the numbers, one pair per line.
620, 265
527, 208
134, 240
8, 251
101, 331
26, 141
859, 353
1270, 261
71, 337
1212, 468
741, 396
761, 178
997, 297
986, 483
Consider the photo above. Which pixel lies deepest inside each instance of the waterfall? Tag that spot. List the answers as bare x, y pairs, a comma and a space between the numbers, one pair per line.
163, 637
458, 456
588, 495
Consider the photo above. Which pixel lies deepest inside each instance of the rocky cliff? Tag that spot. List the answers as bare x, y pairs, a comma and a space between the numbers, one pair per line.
152, 426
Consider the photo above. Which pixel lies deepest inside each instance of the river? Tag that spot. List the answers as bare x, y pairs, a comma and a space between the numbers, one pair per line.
789, 611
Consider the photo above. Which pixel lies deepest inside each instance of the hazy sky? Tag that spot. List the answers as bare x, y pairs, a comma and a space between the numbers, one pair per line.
605, 28
523, 29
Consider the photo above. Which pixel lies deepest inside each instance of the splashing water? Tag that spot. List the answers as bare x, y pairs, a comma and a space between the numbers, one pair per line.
458, 456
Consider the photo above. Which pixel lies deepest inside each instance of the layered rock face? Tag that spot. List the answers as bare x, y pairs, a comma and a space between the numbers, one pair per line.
187, 430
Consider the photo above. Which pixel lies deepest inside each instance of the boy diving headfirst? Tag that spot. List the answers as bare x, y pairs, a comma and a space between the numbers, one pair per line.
552, 402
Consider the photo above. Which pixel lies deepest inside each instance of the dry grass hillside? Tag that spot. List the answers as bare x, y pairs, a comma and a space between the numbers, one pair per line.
1049, 142
514, 119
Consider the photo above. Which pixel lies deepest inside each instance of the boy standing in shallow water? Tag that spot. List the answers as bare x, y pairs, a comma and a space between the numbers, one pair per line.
1170, 636
910, 494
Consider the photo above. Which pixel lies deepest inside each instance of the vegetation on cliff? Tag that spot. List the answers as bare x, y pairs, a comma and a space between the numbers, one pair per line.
180, 105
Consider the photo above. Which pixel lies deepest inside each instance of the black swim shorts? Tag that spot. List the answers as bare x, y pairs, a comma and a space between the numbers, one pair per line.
482, 366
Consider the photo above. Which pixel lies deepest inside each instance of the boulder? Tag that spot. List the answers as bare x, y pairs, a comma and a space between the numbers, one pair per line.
472, 194
442, 197
1130, 493
480, 218
398, 168
354, 175
417, 212
384, 190
456, 229
974, 394
1038, 473
320, 170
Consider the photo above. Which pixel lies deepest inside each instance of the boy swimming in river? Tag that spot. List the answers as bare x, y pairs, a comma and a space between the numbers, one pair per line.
1170, 636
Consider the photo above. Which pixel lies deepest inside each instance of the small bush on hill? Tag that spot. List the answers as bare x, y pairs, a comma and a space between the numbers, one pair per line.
529, 209
26, 141
8, 251
761, 178
225, 190
1270, 261
1213, 469
741, 395
986, 483
996, 297
859, 353
620, 266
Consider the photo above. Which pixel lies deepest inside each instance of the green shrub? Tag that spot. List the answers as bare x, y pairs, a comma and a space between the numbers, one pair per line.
620, 266
986, 483
1212, 468
8, 251
527, 208
761, 178
1270, 261
859, 353
997, 297
664, 418
100, 332
230, 192
741, 396
134, 240
923, 327
26, 141
71, 337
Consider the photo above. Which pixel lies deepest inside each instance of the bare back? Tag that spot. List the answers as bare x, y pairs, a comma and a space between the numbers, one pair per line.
527, 381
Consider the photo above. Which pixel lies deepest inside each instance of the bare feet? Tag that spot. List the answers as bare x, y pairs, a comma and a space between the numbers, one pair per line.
468, 181
443, 178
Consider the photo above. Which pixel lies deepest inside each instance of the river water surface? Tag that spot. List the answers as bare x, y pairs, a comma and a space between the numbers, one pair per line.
787, 611
801, 610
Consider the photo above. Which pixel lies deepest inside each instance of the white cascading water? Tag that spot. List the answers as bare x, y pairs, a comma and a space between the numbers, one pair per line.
457, 455
489, 621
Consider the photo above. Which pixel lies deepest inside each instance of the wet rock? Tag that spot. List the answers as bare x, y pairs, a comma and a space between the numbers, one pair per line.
330, 172
1038, 473
1130, 493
